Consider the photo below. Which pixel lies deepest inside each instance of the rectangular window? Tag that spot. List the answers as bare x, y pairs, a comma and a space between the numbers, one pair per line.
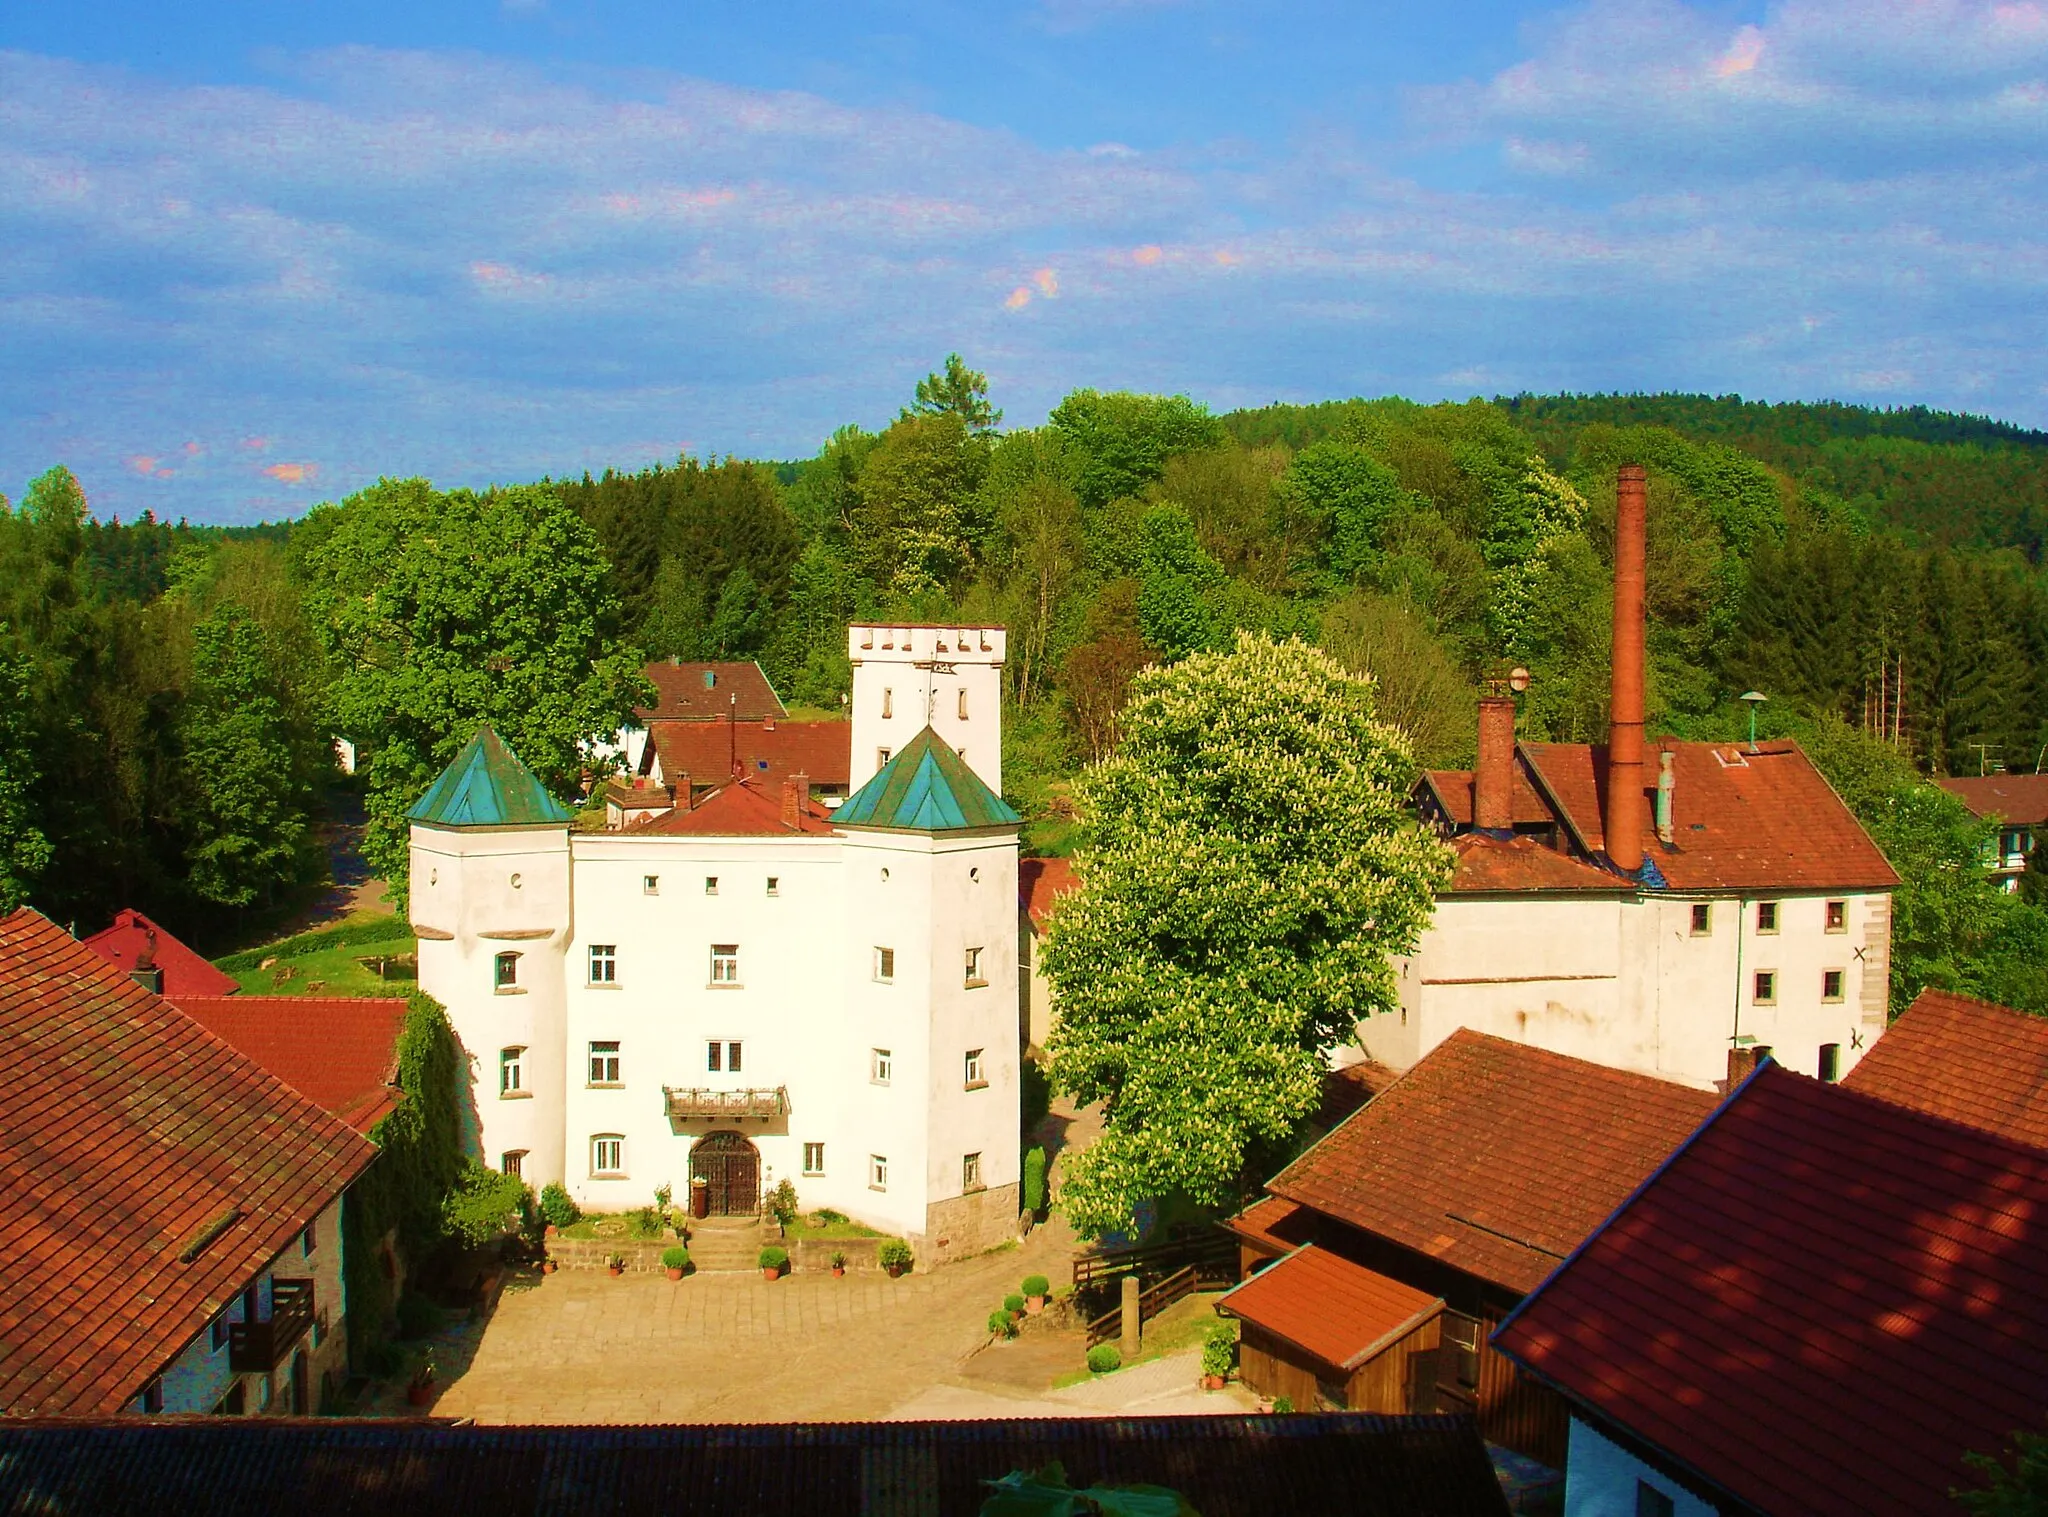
1766, 987
217, 1333
266, 1389
511, 1071
725, 963
153, 1396
607, 1155
878, 1172
1702, 919
513, 1163
774, 884
650, 884
1766, 916
732, 1058
885, 965
963, 703
814, 1158
880, 1065
1461, 1343
1830, 1062
1838, 916
604, 1063
604, 964
974, 968
970, 1171
976, 1077
1651, 1502
1831, 984
505, 974
711, 884
714, 1056
881, 757
888, 703
308, 1241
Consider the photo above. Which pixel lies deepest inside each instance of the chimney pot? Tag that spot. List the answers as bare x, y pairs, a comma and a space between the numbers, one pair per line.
1493, 806
1624, 819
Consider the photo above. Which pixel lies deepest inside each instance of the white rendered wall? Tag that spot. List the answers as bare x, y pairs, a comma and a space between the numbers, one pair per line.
919, 675
477, 893
1601, 1480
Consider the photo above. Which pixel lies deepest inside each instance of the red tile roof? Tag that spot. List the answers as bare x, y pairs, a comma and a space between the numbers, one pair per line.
682, 695
1040, 882
1494, 1157
185, 972
2019, 798
1521, 866
1273, 1224
1818, 1305
1967, 1060
126, 1132
1453, 791
1741, 821
1322, 1303
741, 809
771, 751
341, 1051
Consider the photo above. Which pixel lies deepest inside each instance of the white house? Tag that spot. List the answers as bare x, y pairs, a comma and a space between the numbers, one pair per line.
752, 989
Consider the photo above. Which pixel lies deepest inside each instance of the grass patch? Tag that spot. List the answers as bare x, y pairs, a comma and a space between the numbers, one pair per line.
824, 1225
330, 962
801, 713
1049, 837
600, 1225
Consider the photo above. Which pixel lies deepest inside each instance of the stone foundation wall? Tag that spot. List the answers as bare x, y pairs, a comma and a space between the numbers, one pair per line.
593, 1253
969, 1224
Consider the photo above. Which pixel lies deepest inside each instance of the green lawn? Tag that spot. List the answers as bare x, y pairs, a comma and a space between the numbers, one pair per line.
329, 962
808, 1226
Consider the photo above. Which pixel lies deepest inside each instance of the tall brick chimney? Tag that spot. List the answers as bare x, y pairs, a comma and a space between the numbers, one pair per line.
1493, 807
795, 791
1624, 821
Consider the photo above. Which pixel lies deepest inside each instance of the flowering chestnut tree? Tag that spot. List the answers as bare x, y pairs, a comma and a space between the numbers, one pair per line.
1248, 866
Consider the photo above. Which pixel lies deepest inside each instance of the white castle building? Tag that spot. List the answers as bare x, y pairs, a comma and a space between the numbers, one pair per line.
751, 988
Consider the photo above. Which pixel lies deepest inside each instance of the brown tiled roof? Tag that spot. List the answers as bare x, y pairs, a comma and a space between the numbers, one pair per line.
185, 973
1522, 866
682, 694
1819, 1305
1494, 1157
1741, 821
771, 751
1355, 1464
1040, 882
1967, 1060
2021, 798
1453, 791
741, 809
127, 1131
1339, 1312
1273, 1224
341, 1051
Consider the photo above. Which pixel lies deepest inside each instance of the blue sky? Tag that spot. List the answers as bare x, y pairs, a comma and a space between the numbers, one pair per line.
261, 253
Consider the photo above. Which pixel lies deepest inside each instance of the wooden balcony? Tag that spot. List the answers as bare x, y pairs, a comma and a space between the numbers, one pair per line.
726, 1105
260, 1347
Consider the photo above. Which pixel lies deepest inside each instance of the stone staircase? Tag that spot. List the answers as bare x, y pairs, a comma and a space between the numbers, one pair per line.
722, 1244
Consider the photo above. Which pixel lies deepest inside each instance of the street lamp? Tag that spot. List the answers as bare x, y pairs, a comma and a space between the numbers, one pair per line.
1753, 699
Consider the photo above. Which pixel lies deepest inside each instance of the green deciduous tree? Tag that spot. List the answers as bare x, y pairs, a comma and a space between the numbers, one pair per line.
1122, 440
1176, 578
1248, 867
24, 851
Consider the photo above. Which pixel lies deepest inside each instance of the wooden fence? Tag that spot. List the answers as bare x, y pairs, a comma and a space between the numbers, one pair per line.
1151, 1303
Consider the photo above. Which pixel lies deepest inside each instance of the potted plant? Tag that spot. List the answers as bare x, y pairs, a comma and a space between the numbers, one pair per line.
1013, 1306
615, 1264
549, 1265
773, 1261
838, 1263
420, 1389
1036, 1289
894, 1256
675, 1259
782, 1204
1216, 1357
1001, 1326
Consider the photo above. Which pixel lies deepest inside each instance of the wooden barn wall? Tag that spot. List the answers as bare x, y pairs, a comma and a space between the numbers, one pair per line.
1381, 1384
1514, 1410
1275, 1368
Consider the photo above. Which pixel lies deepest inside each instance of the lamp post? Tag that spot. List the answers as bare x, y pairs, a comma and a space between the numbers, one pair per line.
1753, 699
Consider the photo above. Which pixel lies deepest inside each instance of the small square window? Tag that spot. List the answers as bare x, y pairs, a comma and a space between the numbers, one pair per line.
880, 1065
1830, 1062
604, 1063
881, 757
1766, 916
974, 976
774, 884
511, 1071
608, 1155
1831, 984
1838, 916
878, 1172
650, 884
976, 1076
604, 964
505, 973
885, 965
711, 884
1702, 919
725, 963
1766, 987
308, 1241
814, 1158
970, 1172
513, 1163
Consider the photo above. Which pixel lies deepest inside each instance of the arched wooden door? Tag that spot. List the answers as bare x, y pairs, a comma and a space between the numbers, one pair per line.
730, 1168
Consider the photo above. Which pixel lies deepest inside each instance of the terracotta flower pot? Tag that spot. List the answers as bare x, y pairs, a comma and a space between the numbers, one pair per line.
549, 1266
552, 1230
1212, 1382
895, 1271
770, 1272
673, 1274
615, 1270
1034, 1304
419, 1395
838, 1270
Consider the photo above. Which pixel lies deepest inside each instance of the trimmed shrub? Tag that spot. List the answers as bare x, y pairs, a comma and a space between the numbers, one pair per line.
675, 1257
643, 1224
1013, 1304
1034, 1180
782, 1202
1219, 1355
999, 1325
1034, 1095
893, 1251
1283, 1404
773, 1257
1037, 1285
556, 1209
1105, 1357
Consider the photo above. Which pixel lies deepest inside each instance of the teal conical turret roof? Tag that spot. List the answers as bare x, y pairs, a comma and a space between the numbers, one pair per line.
927, 787
487, 786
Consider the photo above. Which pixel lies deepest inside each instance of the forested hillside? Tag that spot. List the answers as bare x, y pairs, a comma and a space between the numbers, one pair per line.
1870, 572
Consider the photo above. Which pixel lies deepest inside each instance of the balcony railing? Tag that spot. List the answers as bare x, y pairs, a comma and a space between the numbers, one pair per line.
728, 1104
259, 1347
